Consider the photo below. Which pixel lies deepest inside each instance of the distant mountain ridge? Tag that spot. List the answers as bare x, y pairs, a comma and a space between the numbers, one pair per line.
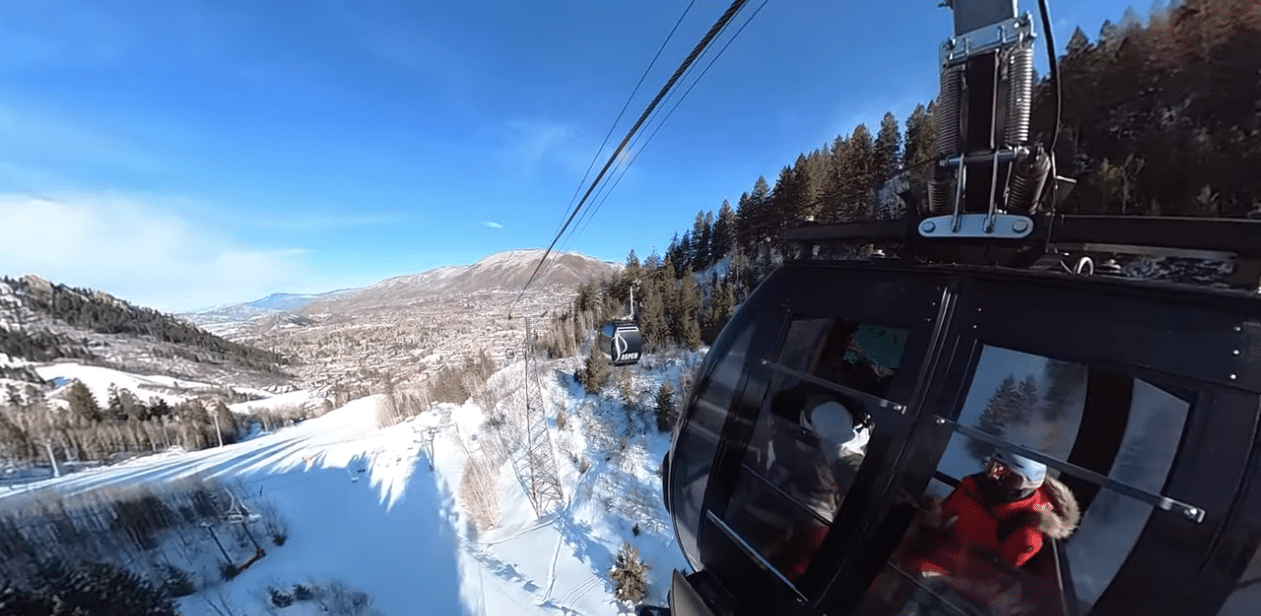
276, 302
228, 319
500, 271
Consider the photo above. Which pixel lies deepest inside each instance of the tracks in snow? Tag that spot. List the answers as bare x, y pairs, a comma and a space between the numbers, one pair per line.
551, 570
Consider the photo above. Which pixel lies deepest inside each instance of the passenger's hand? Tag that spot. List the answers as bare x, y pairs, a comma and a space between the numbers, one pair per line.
930, 511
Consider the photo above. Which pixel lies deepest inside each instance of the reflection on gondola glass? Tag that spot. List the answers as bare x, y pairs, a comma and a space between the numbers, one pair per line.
700, 439
1024, 399
1000, 533
805, 452
1112, 523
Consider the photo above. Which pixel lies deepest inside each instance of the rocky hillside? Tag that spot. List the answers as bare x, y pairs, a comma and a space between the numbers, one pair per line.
41, 321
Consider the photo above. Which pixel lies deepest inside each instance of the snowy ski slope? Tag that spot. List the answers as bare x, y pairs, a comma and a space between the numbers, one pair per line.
366, 509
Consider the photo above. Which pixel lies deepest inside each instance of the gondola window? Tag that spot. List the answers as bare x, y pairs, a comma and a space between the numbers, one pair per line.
700, 438
808, 446
1084, 531
1112, 522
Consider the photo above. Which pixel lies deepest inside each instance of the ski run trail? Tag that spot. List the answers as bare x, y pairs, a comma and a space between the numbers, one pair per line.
380, 510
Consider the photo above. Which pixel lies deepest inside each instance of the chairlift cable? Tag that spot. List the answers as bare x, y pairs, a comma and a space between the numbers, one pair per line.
1056, 99
628, 102
667, 117
586, 220
634, 147
705, 41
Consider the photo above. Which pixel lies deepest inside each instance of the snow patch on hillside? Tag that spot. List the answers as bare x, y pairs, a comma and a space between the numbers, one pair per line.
99, 379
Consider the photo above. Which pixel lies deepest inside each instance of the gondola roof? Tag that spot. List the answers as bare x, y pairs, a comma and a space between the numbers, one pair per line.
1176, 291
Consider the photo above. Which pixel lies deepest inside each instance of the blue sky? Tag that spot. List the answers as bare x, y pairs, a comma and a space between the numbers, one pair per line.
184, 154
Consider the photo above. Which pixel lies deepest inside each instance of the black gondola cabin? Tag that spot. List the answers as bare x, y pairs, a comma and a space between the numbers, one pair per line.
846, 399
622, 342
1144, 399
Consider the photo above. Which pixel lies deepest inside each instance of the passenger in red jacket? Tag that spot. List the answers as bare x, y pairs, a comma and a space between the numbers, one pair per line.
985, 531
1009, 510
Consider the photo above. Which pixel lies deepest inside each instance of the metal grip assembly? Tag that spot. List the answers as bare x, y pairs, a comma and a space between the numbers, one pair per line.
986, 167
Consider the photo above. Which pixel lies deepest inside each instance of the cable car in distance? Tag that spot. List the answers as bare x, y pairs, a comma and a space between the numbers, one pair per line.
621, 341
847, 399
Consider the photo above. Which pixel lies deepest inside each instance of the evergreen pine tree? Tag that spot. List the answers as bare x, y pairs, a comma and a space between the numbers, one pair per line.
130, 406
700, 235
114, 405
596, 370
228, 426
721, 302
708, 240
921, 146
158, 407
819, 185
673, 252
724, 238
887, 150
1026, 400
652, 312
1065, 384
668, 284
745, 224
687, 251
756, 224
686, 320
666, 410
629, 574
996, 417
83, 404
14, 398
789, 199
653, 261
856, 174
14, 444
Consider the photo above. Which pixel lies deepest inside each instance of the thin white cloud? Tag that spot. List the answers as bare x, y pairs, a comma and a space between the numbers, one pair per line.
492, 224
532, 143
135, 251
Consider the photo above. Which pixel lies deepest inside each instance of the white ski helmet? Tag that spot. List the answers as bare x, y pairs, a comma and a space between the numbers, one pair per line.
835, 423
1015, 471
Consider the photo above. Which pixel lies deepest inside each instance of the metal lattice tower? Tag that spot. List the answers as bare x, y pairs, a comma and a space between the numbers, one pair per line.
543, 482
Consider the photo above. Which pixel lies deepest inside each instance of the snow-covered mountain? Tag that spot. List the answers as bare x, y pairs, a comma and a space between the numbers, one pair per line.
501, 271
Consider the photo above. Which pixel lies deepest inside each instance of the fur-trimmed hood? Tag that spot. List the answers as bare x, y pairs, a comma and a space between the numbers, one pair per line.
1064, 514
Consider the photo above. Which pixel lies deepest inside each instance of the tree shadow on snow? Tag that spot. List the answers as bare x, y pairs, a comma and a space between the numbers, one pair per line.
403, 552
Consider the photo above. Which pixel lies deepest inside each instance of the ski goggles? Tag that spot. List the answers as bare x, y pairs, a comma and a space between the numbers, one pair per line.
1006, 477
